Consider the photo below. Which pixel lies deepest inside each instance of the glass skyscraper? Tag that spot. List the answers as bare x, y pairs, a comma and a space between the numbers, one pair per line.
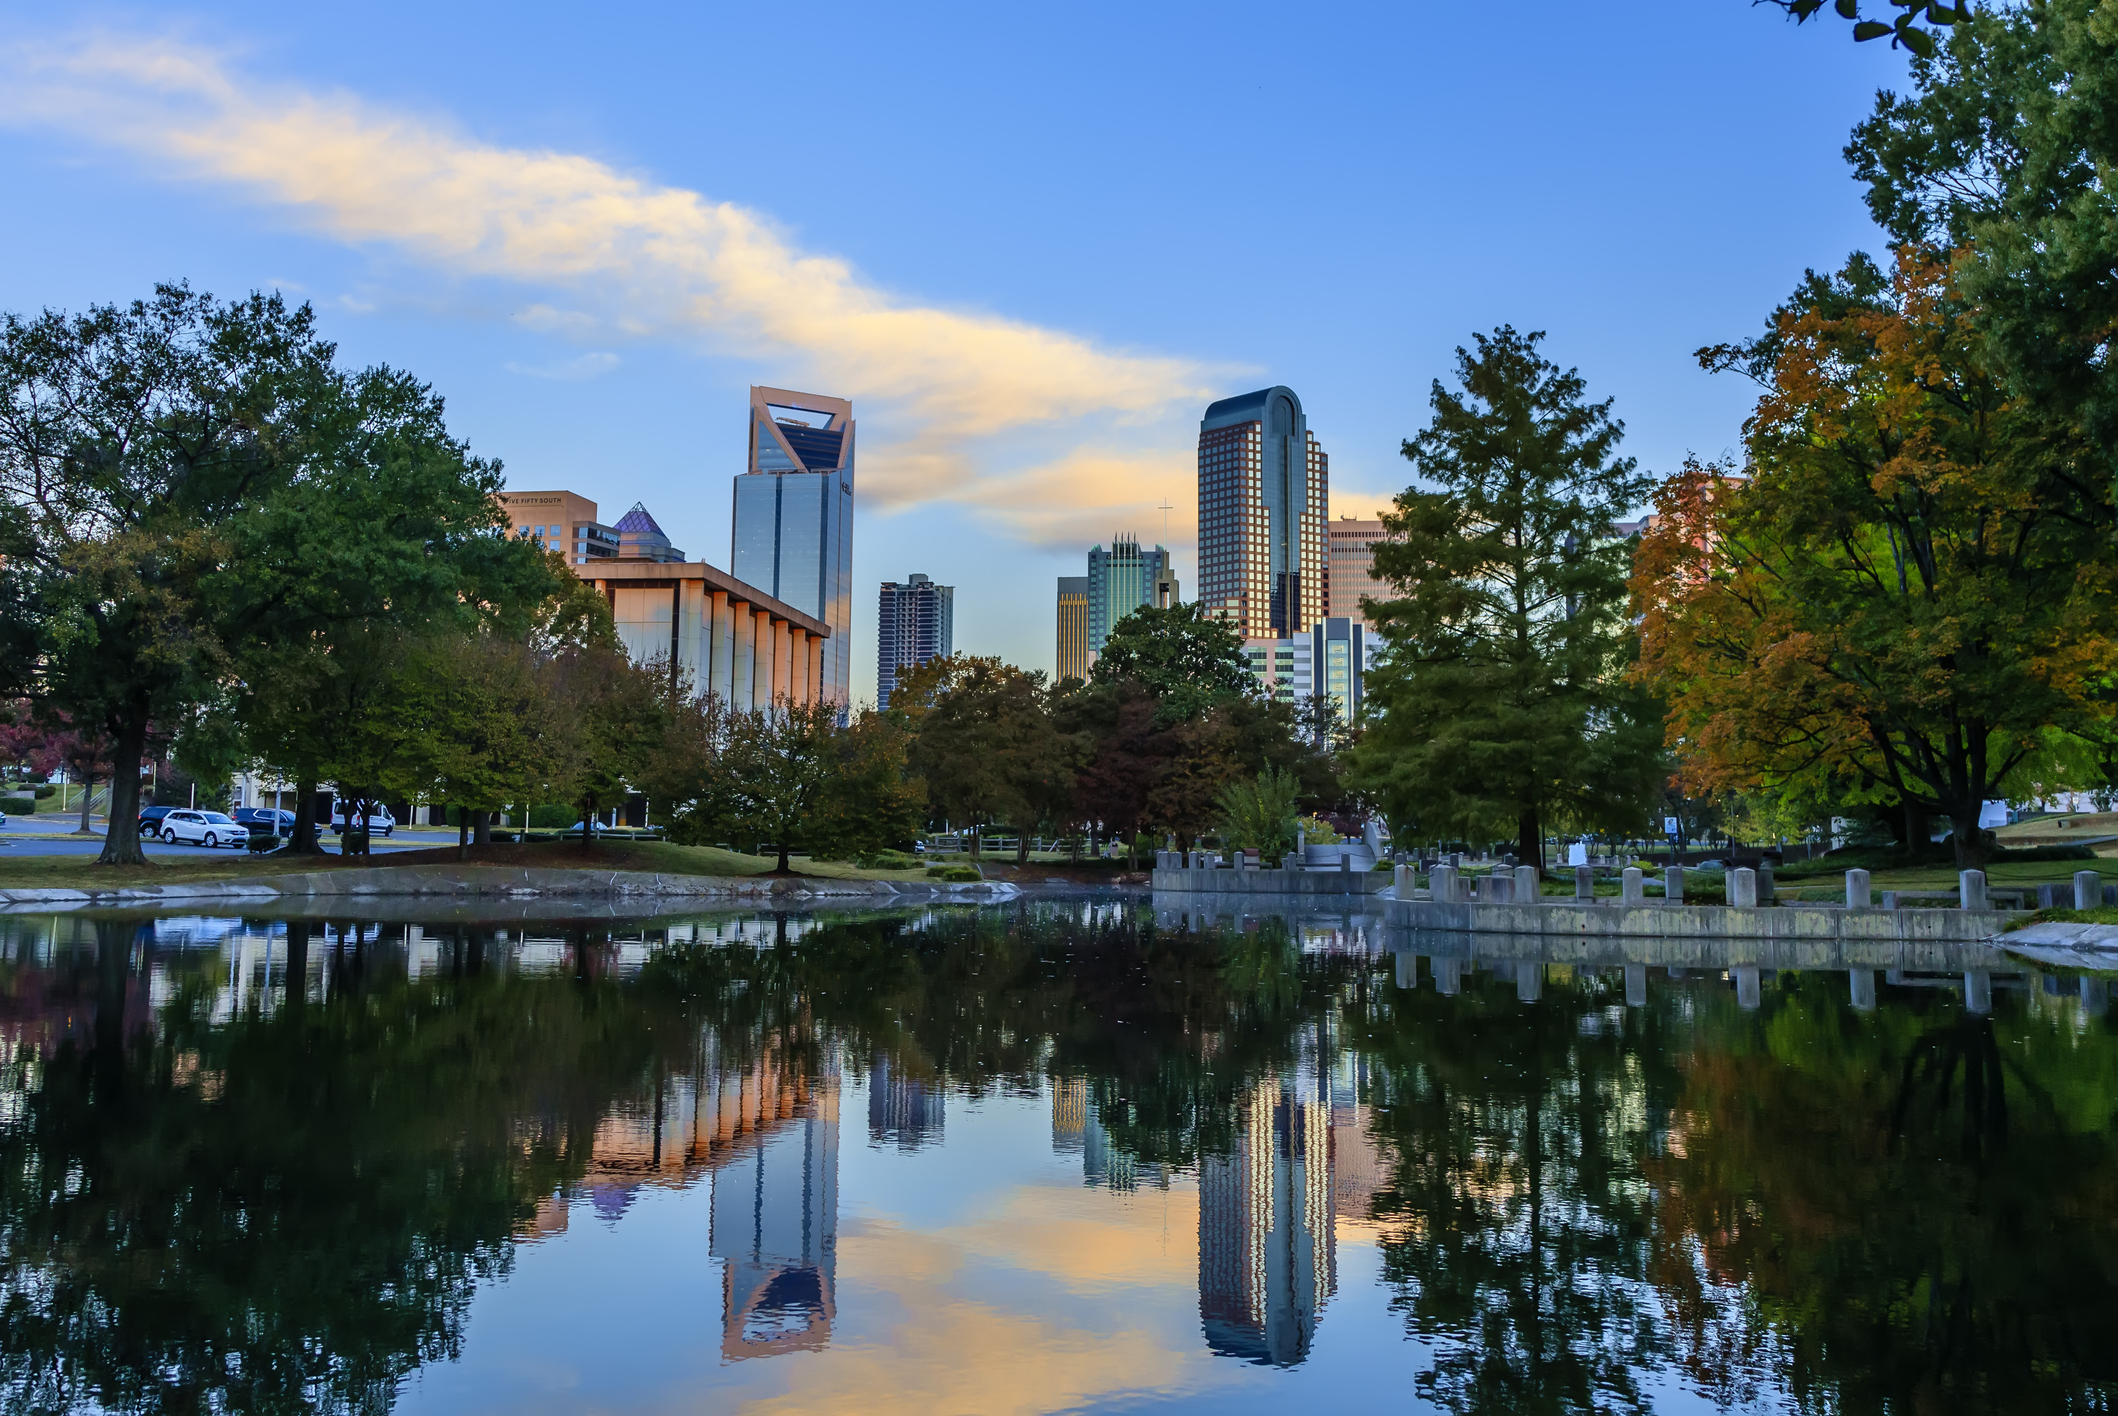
1121, 580
1073, 628
1264, 493
793, 535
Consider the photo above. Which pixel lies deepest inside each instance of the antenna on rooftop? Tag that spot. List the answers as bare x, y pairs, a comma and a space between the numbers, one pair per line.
1165, 509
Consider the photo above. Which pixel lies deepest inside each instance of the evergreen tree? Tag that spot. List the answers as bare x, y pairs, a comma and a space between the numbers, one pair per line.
1500, 696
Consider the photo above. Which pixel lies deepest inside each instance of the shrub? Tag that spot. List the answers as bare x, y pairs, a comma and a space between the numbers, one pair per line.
553, 818
19, 805
888, 860
954, 874
45, 791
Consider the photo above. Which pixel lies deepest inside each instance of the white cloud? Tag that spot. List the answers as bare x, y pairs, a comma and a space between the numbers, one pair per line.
593, 364
938, 391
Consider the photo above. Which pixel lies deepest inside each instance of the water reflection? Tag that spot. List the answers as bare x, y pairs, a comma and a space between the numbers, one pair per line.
252, 1164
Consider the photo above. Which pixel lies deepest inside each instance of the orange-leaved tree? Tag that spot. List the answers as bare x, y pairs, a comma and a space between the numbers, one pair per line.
1912, 591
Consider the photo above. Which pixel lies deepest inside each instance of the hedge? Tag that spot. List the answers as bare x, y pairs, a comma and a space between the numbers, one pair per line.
19, 805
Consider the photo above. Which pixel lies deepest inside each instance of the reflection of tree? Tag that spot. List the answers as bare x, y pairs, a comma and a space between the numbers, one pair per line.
1517, 1217
1913, 1205
289, 1212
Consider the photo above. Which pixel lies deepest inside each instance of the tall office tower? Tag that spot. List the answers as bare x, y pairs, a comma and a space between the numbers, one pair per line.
1264, 492
793, 535
1121, 580
915, 622
1073, 627
1267, 1231
1350, 567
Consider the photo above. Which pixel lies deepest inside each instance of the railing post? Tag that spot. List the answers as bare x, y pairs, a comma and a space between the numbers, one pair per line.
1633, 889
1971, 890
2088, 890
1863, 981
1584, 882
1743, 888
1673, 885
1527, 890
1858, 894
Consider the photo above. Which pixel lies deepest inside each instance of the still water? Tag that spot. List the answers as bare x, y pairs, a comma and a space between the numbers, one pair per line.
1049, 1156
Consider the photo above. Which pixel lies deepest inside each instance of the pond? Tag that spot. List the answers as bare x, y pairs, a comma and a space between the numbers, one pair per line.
1053, 1155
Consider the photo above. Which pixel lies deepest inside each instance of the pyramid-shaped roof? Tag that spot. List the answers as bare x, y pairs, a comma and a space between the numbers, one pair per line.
638, 520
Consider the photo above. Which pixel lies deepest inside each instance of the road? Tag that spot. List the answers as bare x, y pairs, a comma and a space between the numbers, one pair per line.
51, 835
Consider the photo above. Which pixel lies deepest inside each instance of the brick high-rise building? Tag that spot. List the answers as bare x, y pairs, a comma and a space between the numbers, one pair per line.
1350, 566
1264, 494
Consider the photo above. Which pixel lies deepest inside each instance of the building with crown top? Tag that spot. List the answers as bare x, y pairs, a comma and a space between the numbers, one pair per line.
1264, 496
793, 527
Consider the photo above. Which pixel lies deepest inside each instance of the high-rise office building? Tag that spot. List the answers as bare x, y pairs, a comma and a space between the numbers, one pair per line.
1121, 580
1330, 659
793, 535
915, 622
1349, 567
1264, 493
1073, 628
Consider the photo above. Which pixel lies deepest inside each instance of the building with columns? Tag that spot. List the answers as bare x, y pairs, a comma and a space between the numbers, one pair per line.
731, 638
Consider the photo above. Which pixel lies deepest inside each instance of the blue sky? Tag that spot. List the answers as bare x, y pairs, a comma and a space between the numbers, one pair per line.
1029, 245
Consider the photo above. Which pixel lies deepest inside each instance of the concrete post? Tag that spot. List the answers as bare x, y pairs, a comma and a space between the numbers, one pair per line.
2088, 890
1405, 879
1345, 864
1971, 890
2095, 998
1526, 888
1584, 882
1441, 885
1743, 888
1673, 885
1765, 895
1863, 988
1496, 889
1858, 894
1978, 991
1636, 985
2048, 895
1407, 969
1748, 989
1448, 976
1529, 982
1633, 889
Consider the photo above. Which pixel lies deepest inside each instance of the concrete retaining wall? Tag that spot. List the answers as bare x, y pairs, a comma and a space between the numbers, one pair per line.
466, 881
1567, 919
1271, 882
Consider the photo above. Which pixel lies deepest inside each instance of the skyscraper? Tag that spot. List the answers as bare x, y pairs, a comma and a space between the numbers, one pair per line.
1350, 567
1121, 580
915, 622
1073, 627
1264, 493
793, 535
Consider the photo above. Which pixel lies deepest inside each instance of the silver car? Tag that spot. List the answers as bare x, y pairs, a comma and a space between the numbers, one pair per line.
204, 828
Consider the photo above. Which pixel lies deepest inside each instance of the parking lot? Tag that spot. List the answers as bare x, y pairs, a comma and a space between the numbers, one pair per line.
53, 835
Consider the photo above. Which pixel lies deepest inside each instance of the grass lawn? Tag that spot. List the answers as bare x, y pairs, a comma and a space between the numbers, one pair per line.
74, 872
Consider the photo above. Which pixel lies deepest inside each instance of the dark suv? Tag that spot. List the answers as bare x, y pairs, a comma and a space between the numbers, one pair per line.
151, 820
265, 818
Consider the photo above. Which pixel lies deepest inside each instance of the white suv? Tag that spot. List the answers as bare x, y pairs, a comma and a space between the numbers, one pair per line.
204, 828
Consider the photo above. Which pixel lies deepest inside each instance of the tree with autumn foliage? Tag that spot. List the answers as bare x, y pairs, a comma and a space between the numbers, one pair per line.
1911, 590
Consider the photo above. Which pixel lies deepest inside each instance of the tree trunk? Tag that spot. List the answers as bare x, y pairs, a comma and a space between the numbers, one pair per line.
783, 854
296, 982
1970, 842
1022, 848
88, 791
1529, 839
121, 839
463, 833
303, 842
481, 827
588, 826
1915, 827
975, 842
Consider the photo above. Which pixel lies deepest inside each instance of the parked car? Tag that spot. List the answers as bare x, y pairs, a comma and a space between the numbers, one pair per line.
204, 828
151, 820
380, 822
593, 827
279, 823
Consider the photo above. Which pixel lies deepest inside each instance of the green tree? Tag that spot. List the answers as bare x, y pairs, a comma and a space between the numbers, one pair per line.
1186, 658
1903, 30
1500, 695
612, 714
1260, 814
986, 744
780, 764
136, 441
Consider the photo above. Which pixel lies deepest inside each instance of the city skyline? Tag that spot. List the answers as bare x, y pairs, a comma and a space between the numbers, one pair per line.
574, 244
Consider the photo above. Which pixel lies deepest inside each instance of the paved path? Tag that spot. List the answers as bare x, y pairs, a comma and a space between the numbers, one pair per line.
53, 835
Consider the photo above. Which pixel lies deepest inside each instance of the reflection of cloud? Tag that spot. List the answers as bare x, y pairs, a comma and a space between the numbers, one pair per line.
1090, 1239
585, 366
952, 1354
639, 258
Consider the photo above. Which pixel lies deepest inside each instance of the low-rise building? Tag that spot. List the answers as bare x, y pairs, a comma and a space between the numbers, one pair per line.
564, 522
1328, 659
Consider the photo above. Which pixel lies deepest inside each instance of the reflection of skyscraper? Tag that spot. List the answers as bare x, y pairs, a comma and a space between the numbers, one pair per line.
1267, 1256
903, 1111
1077, 1129
793, 533
775, 1228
